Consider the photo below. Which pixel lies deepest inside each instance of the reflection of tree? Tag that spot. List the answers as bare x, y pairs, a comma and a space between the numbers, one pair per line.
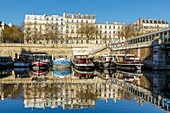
13, 90
49, 89
87, 94
124, 95
145, 82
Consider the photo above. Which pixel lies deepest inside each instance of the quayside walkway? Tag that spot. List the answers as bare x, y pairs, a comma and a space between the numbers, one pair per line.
153, 49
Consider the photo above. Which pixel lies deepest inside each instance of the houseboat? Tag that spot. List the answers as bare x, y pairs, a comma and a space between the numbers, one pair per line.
6, 62
24, 60
130, 62
105, 62
62, 62
83, 62
83, 74
40, 61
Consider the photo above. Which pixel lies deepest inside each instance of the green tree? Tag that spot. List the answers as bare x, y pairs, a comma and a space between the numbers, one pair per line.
89, 31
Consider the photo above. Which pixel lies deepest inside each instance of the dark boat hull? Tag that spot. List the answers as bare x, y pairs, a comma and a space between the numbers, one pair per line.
128, 66
105, 65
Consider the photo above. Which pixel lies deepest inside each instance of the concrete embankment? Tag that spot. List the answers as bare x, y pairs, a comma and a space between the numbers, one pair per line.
50, 49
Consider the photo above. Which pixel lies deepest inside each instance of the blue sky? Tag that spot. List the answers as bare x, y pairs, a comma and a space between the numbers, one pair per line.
126, 11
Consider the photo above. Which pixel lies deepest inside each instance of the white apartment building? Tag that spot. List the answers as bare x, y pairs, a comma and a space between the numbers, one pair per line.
66, 28
74, 21
151, 24
43, 24
109, 32
2, 26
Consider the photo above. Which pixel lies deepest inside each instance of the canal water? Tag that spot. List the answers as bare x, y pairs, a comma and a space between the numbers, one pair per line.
69, 90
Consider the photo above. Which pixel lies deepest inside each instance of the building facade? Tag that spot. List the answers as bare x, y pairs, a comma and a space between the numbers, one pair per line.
65, 27
2, 26
73, 22
109, 32
38, 26
150, 25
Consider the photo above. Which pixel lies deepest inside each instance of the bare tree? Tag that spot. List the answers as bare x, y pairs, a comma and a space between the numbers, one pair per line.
89, 31
128, 31
12, 34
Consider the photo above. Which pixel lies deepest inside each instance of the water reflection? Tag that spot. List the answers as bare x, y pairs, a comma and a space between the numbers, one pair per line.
83, 74
5, 73
83, 88
22, 72
61, 72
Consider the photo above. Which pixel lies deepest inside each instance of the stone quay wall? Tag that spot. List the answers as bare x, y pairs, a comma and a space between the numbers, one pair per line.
7, 49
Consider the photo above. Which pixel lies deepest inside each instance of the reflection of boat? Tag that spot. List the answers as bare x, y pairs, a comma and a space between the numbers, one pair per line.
82, 62
61, 73
128, 76
24, 60
83, 74
22, 72
40, 72
6, 62
105, 62
5, 73
40, 61
105, 73
62, 63
130, 63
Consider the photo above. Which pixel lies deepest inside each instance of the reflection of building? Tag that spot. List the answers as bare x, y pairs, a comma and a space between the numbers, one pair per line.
76, 94
67, 95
